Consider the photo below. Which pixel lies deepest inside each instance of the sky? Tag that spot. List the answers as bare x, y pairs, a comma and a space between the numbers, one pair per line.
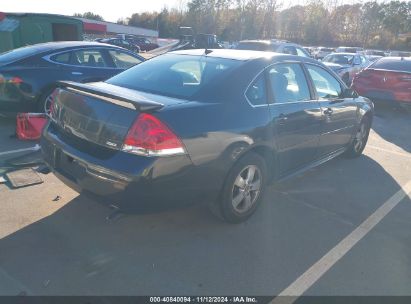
110, 10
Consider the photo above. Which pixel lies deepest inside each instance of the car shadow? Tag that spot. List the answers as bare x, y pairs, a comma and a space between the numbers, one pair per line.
77, 251
399, 122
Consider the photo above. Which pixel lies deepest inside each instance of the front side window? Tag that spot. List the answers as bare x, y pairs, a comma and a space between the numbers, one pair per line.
88, 58
326, 85
288, 83
123, 60
257, 92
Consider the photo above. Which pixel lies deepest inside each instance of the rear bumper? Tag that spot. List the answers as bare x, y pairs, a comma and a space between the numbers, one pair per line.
128, 180
384, 96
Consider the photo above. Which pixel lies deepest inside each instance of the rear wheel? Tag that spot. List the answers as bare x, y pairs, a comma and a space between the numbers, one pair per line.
360, 139
243, 189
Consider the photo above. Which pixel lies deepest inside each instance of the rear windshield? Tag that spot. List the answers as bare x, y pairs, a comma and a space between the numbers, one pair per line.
181, 76
393, 64
20, 53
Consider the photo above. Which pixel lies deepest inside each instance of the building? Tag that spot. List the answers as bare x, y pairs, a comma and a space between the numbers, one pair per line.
20, 29
104, 28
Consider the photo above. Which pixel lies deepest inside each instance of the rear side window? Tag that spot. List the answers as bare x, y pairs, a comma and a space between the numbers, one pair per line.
393, 64
257, 92
61, 58
123, 60
89, 58
288, 83
326, 85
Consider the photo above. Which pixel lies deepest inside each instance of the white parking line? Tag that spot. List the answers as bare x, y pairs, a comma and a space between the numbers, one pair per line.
34, 148
316, 271
390, 151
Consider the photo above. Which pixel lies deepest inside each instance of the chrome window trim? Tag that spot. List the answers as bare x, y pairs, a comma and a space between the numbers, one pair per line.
276, 103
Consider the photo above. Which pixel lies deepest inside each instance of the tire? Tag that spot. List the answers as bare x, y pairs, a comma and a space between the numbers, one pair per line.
360, 139
242, 191
44, 101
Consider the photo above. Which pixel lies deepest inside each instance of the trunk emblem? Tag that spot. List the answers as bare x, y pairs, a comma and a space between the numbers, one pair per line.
111, 144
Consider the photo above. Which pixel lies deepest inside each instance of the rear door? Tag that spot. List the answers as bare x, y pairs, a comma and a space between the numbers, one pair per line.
338, 112
295, 115
91, 65
83, 65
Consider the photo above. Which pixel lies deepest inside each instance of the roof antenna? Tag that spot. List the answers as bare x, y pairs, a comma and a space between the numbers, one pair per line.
207, 51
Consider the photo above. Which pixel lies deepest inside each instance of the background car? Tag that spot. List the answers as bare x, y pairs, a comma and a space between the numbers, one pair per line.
374, 53
388, 79
195, 127
321, 52
126, 44
399, 54
28, 75
143, 43
346, 65
372, 58
349, 49
278, 46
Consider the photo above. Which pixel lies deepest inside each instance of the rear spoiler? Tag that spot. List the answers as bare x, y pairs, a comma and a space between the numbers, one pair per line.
113, 92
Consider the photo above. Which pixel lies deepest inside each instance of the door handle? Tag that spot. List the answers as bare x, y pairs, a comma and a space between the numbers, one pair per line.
76, 73
328, 111
281, 119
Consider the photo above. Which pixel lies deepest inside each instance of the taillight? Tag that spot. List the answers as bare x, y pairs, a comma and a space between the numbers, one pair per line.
148, 136
15, 80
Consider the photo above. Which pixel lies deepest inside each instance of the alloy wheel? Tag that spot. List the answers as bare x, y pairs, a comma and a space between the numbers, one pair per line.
360, 137
246, 189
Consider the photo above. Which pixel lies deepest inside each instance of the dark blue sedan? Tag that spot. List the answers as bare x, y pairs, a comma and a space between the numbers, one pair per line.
202, 125
28, 74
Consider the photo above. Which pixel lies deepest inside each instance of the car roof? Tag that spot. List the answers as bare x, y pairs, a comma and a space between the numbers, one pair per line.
242, 55
49, 46
344, 53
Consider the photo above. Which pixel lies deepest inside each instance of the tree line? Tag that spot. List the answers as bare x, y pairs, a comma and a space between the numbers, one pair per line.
319, 22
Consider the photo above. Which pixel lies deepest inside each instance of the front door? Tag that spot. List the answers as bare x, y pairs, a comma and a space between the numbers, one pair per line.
339, 112
296, 117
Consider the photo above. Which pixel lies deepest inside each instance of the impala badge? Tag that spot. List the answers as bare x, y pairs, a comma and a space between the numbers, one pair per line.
111, 144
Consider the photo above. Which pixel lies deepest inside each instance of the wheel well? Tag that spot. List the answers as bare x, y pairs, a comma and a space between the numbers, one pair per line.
368, 116
44, 91
268, 155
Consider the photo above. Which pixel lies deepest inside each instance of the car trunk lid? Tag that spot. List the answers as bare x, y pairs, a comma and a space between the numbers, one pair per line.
100, 113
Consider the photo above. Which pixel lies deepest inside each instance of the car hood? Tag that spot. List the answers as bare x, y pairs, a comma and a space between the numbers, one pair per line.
336, 66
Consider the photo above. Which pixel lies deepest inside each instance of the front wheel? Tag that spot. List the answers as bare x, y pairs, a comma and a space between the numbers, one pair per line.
360, 139
243, 189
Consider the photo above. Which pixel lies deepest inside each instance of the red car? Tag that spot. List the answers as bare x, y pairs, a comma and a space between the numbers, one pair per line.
387, 79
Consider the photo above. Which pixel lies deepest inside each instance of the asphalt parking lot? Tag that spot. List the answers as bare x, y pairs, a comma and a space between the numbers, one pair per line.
68, 247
